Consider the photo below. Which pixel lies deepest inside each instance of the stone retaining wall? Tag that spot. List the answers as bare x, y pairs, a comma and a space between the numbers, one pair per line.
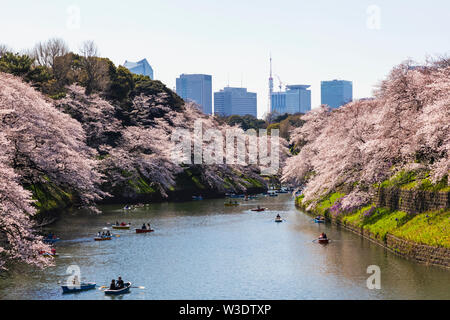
419, 252
430, 255
422, 253
412, 201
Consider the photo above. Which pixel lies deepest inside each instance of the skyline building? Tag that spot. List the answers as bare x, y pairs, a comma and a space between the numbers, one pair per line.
336, 93
270, 87
196, 88
141, 67
235, 101
296, 99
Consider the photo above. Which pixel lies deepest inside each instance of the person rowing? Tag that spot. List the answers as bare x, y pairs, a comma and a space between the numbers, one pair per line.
120, 284
144, 227
323, 236
148, 226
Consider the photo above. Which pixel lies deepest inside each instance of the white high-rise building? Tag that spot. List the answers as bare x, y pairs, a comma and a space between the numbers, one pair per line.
296, 99
235, 101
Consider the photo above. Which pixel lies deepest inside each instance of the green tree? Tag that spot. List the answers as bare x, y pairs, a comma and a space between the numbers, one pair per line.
15, 63
145, 85
122, 83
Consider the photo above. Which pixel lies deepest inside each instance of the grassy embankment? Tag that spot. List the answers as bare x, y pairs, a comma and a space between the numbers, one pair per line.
429, 228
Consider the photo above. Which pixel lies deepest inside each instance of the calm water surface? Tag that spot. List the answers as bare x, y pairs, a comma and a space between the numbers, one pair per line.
203, 250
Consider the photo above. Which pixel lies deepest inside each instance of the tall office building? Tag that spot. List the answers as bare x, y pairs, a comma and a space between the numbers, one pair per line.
141, 67
196, 88
336, 93
296, 99
235, 101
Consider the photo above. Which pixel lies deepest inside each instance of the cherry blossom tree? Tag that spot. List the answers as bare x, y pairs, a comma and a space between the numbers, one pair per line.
406, 127
47, 145
18, 241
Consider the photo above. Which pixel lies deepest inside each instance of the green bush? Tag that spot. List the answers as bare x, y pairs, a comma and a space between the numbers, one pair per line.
16, 64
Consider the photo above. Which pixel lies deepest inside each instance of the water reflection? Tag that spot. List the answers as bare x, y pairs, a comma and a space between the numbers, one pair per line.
204, 250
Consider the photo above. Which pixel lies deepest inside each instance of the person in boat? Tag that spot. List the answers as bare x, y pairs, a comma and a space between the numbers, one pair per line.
120, 284
323, 236
76, 280
99, 234
148, 226
112, 286
108, 234
278, 216
117, 223
123, 224
144, 227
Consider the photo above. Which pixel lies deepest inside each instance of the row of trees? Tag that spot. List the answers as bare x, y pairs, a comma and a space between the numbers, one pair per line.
50, 66
406, 127
283, 122
104, 128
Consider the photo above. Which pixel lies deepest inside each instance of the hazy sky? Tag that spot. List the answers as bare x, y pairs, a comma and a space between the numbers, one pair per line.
310, 41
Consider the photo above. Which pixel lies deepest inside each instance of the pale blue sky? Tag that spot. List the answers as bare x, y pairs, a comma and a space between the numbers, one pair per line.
310, 41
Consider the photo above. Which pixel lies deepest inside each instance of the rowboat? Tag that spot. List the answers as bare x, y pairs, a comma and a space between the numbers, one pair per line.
49, 254
259, 209
278, 220
78, 288
144, 230
51, 240
126, 289
197, 198
102, 238
323, 240
319, 220
120, 227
